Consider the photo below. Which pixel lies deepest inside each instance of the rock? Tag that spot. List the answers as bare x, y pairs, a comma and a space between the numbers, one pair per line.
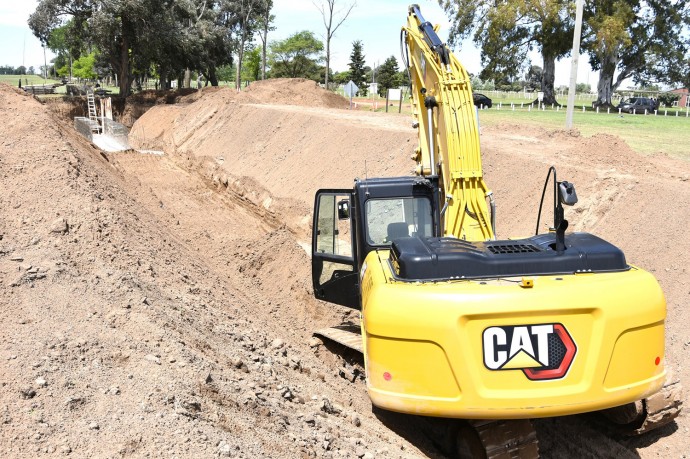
356, 421
368, 455
94, 426
153, 358
27, 393
277, 343
314, 342
224, 449
73, 402
59, 226
40, 382
65, 449
327, 407
189, 408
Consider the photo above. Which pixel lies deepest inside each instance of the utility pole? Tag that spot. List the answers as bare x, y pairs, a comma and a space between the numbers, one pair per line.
573, 66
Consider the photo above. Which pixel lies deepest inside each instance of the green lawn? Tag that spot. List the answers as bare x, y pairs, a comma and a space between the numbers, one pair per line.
645, 134
13, 80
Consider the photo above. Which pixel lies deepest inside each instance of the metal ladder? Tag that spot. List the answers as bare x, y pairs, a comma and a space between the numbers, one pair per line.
93, 116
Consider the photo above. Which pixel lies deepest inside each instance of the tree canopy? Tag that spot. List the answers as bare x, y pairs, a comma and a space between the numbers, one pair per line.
296, 56
637, 39
389, 76
134, 38
507, 29
357, 70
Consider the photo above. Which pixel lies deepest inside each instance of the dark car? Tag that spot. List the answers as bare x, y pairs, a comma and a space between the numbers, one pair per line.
481, 101
637, 105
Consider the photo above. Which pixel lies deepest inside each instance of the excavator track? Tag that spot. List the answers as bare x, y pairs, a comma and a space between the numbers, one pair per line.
650, 413
501, 439
348, 335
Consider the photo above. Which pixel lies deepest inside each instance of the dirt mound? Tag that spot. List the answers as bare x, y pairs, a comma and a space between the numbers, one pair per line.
125, 329
293, 91
161, 305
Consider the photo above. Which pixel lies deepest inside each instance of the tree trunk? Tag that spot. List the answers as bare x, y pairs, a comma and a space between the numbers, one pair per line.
263, 50
162, 78
212, 77
238, 73
187, 78
264, 38
124, 64
328, 55
605, 85
548, 77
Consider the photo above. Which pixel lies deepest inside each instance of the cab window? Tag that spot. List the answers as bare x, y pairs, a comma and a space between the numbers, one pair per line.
393, 218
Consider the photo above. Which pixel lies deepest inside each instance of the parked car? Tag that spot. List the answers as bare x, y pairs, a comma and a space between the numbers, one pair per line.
481, 101
637, 105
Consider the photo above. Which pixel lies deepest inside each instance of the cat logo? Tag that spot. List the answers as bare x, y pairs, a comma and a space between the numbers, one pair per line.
542, 352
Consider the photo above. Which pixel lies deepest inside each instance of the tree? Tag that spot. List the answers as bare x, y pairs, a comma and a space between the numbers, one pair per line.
533, 77
252, 68
131, 37
341, 77
84, 67
668, 98
507, 29
583, 88
332, 24
638, 39
296, 56
226, 73
357, 71
265, 23
388, 76
243, 18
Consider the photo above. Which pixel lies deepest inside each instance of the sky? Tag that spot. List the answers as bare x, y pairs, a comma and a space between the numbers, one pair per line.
18, 46
376, 23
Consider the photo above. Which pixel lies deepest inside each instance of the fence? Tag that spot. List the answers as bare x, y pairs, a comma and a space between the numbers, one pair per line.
673, 112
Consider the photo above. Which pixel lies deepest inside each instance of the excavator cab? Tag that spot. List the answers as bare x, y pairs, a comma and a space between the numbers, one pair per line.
349, 224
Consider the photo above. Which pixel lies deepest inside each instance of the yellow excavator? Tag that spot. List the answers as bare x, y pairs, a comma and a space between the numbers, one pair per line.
457, 324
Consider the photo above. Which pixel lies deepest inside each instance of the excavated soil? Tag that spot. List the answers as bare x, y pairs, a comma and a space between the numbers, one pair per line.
161, 305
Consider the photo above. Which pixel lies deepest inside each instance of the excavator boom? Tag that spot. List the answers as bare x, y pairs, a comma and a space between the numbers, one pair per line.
449, 136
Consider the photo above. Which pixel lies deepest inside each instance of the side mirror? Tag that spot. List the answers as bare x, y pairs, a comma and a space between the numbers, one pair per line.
566, 193
344, 209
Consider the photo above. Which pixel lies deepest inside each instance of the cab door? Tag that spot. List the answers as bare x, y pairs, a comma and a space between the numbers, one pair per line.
334, 267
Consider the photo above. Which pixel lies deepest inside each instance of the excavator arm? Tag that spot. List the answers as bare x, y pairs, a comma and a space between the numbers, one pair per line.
448, 131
